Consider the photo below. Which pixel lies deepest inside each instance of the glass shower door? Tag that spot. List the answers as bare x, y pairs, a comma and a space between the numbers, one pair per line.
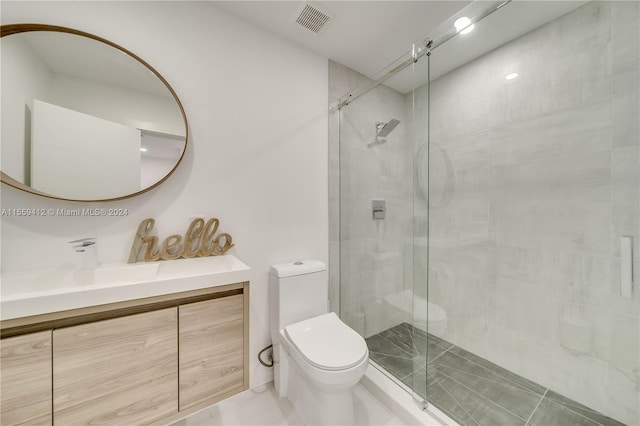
490, 216
424, 341
376, 227
534, 219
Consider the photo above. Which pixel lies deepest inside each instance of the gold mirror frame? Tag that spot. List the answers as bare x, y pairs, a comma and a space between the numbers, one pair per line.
10, 29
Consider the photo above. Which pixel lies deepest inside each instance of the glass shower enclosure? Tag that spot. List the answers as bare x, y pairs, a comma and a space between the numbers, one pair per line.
489, 214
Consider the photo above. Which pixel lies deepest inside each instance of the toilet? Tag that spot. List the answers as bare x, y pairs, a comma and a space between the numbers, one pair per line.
318, 359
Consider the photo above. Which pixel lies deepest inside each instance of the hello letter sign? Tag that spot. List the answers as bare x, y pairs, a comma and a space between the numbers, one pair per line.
200, 240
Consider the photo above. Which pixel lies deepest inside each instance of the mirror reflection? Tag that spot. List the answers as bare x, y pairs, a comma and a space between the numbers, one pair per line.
84, 120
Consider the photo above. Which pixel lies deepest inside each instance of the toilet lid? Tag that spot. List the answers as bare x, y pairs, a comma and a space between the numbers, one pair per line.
327, 343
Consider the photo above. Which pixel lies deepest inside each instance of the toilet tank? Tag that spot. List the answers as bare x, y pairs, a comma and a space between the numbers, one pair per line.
297, 291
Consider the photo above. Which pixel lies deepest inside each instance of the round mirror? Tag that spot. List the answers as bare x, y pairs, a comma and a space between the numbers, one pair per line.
84, 119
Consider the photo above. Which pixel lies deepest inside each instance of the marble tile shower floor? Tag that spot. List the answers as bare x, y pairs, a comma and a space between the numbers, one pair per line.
471, 390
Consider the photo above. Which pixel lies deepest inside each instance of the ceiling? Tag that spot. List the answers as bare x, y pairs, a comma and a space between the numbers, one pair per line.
505, 24
368, 36
362, 35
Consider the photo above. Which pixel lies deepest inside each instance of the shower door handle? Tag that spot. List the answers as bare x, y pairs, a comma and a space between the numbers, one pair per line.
626, 266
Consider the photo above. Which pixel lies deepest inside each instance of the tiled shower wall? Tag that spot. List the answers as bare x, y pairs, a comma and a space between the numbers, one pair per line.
375, 254
533, 182
341, 81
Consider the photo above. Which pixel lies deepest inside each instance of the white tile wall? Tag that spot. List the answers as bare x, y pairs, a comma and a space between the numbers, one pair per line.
373, 253
546, 179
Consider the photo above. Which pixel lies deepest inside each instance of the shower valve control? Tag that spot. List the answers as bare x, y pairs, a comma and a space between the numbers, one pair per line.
378, 209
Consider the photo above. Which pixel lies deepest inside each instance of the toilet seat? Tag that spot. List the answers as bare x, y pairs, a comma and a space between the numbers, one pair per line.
327, 343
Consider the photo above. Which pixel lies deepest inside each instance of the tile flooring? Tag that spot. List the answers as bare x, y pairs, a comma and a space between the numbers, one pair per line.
263, 407
471, 390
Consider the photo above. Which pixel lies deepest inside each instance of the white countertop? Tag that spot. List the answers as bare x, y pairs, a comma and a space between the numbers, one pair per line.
38, 292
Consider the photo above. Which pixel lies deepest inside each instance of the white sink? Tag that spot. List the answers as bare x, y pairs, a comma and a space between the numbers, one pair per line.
18, 283
37, 292
136, 272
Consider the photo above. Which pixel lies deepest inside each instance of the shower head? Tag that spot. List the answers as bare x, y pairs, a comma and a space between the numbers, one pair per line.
383, 129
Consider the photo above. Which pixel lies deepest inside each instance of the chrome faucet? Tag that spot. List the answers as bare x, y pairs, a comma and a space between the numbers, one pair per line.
87, 247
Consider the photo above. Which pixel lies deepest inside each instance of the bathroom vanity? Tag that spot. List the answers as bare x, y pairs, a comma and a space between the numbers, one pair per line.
128, 348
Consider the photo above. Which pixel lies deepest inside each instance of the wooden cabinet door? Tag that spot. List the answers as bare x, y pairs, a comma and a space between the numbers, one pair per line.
120, 371
25, 379
211, 349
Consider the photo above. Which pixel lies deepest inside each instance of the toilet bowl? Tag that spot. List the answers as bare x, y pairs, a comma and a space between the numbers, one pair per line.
317, 358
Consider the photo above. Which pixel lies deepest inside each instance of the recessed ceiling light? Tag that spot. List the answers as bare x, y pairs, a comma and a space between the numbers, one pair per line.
463, 25
143, 149
511, 76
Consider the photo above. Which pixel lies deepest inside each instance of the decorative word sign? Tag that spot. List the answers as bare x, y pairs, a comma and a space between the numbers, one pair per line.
199, 241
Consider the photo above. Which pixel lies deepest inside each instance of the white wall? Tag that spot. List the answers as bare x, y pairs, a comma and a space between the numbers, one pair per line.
257, 154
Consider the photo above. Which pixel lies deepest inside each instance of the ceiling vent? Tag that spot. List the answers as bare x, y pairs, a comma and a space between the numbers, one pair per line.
311, 18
